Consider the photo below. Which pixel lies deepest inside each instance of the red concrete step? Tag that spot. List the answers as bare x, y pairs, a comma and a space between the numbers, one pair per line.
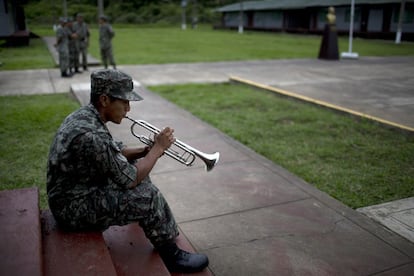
28, 236
20, 242
68, 253
133, 254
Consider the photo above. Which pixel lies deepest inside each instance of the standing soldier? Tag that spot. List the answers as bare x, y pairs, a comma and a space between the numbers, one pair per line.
73, 49
62, 46
82, 31
106, 33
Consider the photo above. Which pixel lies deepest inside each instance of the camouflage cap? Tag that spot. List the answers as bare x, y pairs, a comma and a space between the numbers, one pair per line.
114, 83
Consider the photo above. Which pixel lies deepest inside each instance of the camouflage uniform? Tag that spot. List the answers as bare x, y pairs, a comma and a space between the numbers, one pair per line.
106, 33
62, 45
73, 49
82, 30
87, 180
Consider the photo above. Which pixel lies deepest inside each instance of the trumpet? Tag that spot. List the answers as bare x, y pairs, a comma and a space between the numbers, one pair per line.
179, 151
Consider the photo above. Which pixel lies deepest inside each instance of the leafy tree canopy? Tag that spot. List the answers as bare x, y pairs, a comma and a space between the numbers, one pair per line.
123, 11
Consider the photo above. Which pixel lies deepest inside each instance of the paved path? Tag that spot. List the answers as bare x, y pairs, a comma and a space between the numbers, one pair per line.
379, 87
251, 216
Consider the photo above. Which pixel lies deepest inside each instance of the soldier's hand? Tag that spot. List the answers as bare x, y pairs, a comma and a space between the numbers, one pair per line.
165, 138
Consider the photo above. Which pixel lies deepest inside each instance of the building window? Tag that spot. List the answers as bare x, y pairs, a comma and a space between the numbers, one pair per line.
408, 15
322, 15
357, 15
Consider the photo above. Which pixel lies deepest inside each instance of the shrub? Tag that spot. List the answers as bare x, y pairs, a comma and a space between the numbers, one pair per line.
130, 18
170, 12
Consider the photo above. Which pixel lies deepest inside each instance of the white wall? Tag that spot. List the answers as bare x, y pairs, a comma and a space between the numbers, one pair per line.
268, 19
231, 19
375, 19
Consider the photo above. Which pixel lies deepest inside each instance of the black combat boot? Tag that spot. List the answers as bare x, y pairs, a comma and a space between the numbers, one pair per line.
177, 260
66, 75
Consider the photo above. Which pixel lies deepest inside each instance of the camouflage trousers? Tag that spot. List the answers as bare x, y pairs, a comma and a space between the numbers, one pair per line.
73, 59
64, 61
107, 56
144, 205
84, 55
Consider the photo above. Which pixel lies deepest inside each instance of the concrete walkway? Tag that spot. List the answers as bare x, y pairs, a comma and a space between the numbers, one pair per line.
249, 215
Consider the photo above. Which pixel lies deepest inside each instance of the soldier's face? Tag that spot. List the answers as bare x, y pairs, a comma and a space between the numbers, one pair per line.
116, 109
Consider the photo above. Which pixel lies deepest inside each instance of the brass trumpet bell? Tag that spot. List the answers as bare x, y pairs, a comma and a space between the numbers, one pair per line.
179, 151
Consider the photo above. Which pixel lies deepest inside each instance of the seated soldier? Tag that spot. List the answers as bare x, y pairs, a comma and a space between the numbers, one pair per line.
94, 182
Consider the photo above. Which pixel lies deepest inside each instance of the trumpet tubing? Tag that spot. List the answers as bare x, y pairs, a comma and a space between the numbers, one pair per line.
179, 151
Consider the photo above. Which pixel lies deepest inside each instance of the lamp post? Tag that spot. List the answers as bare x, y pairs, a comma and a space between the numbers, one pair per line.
194, 20
65, 8
349, 54
241, 21
400, 22
100, 8
183, 22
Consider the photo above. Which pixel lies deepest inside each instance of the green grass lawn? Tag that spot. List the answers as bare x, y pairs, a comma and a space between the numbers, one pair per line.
354, 160
27, 129
34, 56
147, 44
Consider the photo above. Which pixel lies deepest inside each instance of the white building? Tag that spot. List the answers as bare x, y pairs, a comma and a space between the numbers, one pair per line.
373, 18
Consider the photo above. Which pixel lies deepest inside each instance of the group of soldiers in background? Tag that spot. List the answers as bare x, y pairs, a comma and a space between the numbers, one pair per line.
72, 41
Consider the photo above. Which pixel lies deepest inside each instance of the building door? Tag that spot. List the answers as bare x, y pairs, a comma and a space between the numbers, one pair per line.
386, 23
364, 18
298, 20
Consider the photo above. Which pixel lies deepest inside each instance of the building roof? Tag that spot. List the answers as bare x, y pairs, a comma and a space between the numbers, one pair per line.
298, 4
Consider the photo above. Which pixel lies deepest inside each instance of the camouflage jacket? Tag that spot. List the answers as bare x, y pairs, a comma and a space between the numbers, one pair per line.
106, 33
84, 158
82, 31
62, 39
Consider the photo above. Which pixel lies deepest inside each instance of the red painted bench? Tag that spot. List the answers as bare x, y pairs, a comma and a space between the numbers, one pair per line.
20, 242
32, 244
66, 253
